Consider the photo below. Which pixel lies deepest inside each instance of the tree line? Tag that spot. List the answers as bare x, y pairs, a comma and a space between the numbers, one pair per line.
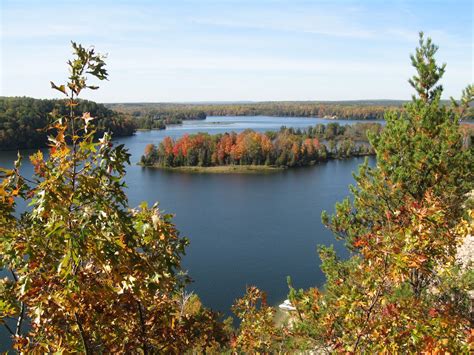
288, 147
23, 120
363, 110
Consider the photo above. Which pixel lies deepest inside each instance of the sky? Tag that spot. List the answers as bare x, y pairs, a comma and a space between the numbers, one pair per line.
247, 50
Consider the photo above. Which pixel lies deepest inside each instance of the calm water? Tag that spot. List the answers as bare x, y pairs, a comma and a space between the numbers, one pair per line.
245, 229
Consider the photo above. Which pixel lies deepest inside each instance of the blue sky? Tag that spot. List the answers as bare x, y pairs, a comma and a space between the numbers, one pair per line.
163, 51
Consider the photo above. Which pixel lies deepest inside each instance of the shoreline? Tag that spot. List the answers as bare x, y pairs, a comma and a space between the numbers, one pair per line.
221, 169
243, 169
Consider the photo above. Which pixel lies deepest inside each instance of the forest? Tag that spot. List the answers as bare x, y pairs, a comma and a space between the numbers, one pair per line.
158, 115
363, 110
287, 148
23, 120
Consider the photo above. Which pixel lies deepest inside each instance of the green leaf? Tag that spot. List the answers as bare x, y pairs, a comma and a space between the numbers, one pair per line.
60, 88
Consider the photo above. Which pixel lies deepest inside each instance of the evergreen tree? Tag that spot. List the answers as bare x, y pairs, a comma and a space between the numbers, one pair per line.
402, 290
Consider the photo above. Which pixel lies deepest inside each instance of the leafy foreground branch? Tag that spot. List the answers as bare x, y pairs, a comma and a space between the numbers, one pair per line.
91, 274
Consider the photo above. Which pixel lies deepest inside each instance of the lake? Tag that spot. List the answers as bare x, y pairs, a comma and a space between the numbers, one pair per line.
244, 229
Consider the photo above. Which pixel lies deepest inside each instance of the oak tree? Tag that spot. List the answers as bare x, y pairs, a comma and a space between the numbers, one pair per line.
89, 273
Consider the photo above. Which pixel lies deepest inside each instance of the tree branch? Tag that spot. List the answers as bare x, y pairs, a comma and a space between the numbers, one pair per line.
143, 329
20, 320
9, 329
367, 319
83, 337
15, 278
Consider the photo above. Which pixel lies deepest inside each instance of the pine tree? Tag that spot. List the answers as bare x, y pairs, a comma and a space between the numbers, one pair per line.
402, 289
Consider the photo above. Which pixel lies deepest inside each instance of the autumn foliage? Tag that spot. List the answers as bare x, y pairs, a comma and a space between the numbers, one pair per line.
89, 274
403, 289
288, 147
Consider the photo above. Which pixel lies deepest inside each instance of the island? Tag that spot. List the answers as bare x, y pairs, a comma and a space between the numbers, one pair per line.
159, 120
251, 151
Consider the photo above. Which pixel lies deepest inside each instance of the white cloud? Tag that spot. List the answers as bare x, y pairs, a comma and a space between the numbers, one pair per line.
178, 51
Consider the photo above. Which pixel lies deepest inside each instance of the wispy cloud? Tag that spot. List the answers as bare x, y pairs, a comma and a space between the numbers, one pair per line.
207, 49
336, 29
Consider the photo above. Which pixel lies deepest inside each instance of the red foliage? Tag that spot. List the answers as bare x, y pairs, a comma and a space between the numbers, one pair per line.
168, 144
149, 148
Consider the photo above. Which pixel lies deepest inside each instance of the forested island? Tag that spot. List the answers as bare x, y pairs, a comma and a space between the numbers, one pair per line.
23, 119
152, 119
288, 147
